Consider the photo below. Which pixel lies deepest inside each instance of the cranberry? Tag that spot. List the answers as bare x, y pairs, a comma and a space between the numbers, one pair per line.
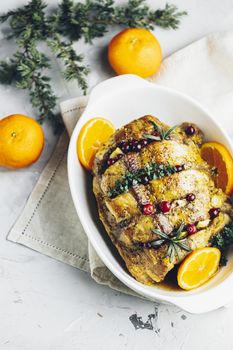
111, 161
147, 245
143, 142
119, 156
179, 168
138, 147
214, 212
133, 145
145, 179
123, 143
156, 134
148, 209
191, 229
165, 207
190, 197
125, 147
190, 130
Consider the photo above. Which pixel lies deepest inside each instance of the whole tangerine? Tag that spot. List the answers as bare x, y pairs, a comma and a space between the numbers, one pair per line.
21, 141
135, 51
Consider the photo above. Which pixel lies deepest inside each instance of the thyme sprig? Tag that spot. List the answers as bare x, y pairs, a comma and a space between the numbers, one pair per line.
176, 241
32, 24
152, 170
162, 133
223, 240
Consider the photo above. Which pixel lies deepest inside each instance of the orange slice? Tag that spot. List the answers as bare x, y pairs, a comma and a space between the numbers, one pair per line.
219, 158
92, 135
198, 268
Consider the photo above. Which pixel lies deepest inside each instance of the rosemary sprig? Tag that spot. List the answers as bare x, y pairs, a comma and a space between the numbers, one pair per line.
153, 171
152, 137
176, 241
32, 24
162, 134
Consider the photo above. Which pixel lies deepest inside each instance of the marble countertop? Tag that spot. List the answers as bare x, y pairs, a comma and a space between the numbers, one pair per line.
48, 305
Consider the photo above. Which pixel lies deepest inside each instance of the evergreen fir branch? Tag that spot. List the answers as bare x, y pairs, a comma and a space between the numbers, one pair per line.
27, 22
31, 24
74, 70
8, 72
137, 14
26, 68
92, 18
88, 19
169, 17
30, 67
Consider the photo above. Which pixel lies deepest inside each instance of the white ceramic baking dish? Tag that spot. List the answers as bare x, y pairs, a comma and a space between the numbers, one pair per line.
122, 99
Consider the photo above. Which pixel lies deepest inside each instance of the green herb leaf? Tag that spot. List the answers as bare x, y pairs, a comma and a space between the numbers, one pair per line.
183, 245
152, 137
180, 229
160, 233
163, 134
157, 243
169, 132
174, 242
156, 126
223, 240
174, 246
152, 170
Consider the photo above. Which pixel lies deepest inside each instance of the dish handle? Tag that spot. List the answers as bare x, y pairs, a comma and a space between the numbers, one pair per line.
207, 301
120, 82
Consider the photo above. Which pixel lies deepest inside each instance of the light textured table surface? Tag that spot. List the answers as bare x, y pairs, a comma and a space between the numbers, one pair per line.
45, 304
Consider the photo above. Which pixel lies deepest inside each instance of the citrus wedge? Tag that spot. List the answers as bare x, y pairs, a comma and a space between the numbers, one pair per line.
198, 268
221, 160
92, 135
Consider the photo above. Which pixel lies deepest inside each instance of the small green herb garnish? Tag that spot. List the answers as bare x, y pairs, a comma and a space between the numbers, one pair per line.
162, 134
176, 241
152, 137
223, 240
153, 171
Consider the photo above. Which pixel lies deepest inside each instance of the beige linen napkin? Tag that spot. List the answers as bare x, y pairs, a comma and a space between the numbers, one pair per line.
49, 223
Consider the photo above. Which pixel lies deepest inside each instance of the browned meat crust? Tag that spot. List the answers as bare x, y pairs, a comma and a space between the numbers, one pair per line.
122, 215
